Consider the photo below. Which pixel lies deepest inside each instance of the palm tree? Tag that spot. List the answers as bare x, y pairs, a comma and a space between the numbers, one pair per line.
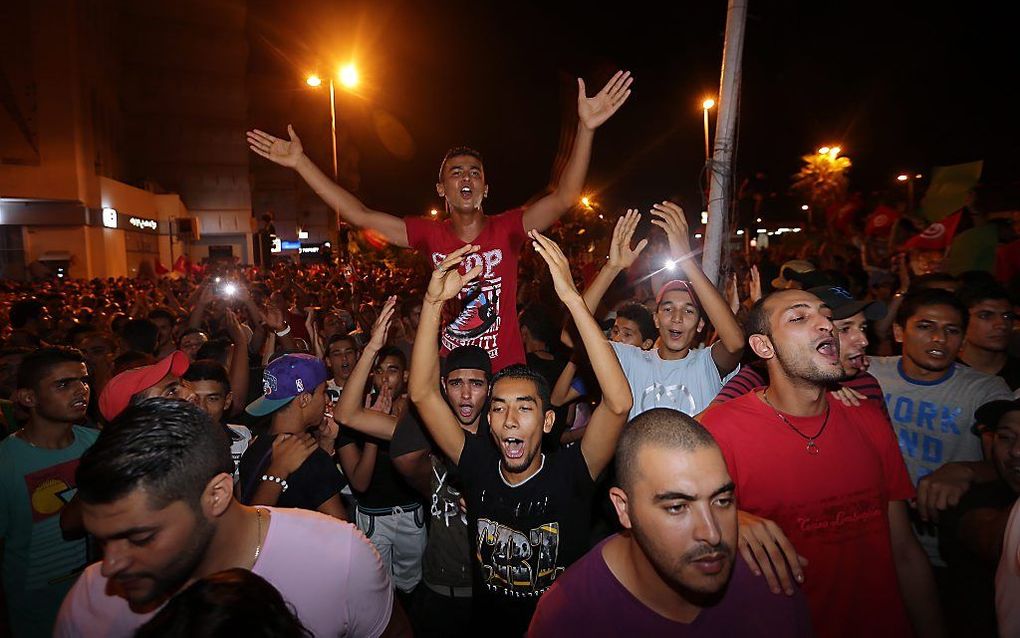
822, 180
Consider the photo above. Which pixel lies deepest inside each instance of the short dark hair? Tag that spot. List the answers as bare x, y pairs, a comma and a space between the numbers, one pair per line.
233, 602
519, 371
971, 296
24, 311
341, 336
37, 364
130, 360
392, 351
541, 322
457, 151
758, 322
931, 280
661, 427
639, 314
215, 349
208, 370
168, 447
141, 335
930, 297
162, 313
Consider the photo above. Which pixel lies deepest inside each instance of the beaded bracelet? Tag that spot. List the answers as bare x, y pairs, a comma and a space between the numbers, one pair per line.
275, 479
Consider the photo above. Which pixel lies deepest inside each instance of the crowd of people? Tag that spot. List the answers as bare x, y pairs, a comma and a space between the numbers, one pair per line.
510, 441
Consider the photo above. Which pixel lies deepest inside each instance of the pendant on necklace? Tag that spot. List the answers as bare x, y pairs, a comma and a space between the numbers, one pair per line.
812, 448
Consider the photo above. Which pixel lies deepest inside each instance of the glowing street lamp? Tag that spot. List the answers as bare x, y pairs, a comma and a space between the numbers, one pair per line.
705, 106
902, 178
434, 212
348, 76
313, 80
586, 202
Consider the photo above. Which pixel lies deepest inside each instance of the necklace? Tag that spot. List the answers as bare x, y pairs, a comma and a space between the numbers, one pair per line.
24, 437
812, 448
258, 546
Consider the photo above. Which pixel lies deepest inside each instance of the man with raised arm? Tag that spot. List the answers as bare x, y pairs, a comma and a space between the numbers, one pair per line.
489, 315
529, 513
677, 374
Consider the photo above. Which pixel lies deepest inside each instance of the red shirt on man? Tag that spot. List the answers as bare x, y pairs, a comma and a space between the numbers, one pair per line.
833, 505
488, 317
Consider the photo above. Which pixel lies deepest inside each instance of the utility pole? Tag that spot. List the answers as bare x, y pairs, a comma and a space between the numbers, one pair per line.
720, 194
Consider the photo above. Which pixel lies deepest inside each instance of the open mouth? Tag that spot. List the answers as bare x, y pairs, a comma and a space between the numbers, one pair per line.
465, 192
857, 361
79, 404
513, 448
936, 353
676, 334
828, 348
465, 410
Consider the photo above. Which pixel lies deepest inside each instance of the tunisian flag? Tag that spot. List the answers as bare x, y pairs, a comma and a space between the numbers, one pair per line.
937, 236
881, 220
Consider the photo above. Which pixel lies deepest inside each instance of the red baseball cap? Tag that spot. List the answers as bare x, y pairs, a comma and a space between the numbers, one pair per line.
117, 394
678, 284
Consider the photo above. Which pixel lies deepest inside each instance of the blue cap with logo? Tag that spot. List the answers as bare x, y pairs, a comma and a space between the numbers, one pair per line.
285, 378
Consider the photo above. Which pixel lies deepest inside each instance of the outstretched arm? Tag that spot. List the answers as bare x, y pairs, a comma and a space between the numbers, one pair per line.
727, 352
423, 381
591, 113
350, 208
599, 441
349, 410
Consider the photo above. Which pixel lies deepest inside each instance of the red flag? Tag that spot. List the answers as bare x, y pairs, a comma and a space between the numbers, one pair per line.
938, 236
160, 268
881, 220
841, 215
181, 265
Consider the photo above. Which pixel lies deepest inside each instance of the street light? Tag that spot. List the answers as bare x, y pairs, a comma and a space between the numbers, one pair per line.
348, 76
707, 104
909, 180
586, 202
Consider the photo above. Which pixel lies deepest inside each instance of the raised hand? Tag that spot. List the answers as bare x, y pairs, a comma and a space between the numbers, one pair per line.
383, 401
755, 285
381, 327
621, 255
670, 218
559, 267
446, 281
594, 111
275, 149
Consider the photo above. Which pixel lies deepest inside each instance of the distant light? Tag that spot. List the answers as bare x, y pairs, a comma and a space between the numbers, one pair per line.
758, 220
669, 265
60, 274
600, 216
697, 235
796, 230
754, 242
763, 230
433, 212
804, 207
217, 280
110, 217
302, 234
582, 231
902, 178
824, 150
740, 232
707, 104
313, 80
704, 217
918, 176
349, 75
230, 290
770, 233
835, 150
586, 202
327, 244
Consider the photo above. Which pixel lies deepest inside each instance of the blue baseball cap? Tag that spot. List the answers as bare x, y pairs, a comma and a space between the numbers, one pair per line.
286, 378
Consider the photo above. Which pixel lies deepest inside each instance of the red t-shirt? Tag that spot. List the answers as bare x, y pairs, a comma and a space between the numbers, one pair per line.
488, 313
833, 506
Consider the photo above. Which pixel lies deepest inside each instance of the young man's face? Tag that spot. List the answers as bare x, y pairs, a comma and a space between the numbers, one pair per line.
991, 324
853, 341
678, 320
463, 183
517, 422
390, 372
62, 395
1006, 449
170, 387
316, 408
148, 552
627, 331
9, 374
931, 337
191, 342
682, 513
96, 347
212, 397
341, 357
466, 392
166, 328
802, 337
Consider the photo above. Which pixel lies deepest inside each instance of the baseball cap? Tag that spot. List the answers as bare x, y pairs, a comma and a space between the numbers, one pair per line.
678, 284
795, 266
118, 391
989, 414
844, 306
285, 378
467, 358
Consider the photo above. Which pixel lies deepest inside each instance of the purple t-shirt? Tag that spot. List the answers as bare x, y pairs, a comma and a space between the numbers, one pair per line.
588, 600
324, 568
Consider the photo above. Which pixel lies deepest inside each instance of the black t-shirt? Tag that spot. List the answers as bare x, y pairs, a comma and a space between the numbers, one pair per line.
447, 557
526, 535
387, 487
314, 483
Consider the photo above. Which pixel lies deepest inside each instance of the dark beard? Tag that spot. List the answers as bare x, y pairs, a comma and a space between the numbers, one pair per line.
810, 372
177, 573
695, 596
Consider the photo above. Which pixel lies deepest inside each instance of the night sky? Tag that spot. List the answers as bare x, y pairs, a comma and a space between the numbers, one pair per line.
901, 86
